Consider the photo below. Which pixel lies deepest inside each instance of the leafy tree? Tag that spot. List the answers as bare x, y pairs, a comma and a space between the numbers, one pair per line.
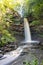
33, 8
7, 13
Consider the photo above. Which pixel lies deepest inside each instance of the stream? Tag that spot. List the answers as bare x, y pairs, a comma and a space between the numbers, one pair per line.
31, 55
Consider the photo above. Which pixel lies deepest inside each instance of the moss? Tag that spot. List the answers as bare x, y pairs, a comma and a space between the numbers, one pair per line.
36, 22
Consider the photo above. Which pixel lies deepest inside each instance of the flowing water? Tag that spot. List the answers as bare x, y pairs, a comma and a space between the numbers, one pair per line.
20, 10
27, 30
28, 33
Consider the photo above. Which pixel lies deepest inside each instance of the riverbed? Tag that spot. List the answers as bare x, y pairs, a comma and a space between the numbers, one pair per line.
29, 56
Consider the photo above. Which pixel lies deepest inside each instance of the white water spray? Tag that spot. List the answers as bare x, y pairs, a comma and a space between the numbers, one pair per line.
28, 33
20, 11
27, 30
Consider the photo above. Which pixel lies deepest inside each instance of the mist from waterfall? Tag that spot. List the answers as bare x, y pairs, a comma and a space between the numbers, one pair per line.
20, 11
27, 30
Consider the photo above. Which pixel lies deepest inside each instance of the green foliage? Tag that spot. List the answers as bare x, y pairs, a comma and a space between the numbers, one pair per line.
33, 62
8, 4
41, 63
6, 17
33, 10
5, 35
33, 6
36, 22
38, 9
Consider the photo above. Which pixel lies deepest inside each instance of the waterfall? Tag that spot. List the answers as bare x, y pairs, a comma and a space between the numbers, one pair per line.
26, 26
27, 33
27, 30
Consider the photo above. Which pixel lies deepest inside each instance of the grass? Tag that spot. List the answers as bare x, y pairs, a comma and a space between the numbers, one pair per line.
33, 62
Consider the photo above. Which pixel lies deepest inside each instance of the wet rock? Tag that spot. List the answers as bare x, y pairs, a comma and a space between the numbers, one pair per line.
1, 55
24, 53
7, 49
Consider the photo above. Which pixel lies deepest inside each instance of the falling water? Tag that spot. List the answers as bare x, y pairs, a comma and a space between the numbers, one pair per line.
26, 26
27, 33
27, 30
20, 11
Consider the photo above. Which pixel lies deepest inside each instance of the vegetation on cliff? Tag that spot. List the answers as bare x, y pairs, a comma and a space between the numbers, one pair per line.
32, 9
